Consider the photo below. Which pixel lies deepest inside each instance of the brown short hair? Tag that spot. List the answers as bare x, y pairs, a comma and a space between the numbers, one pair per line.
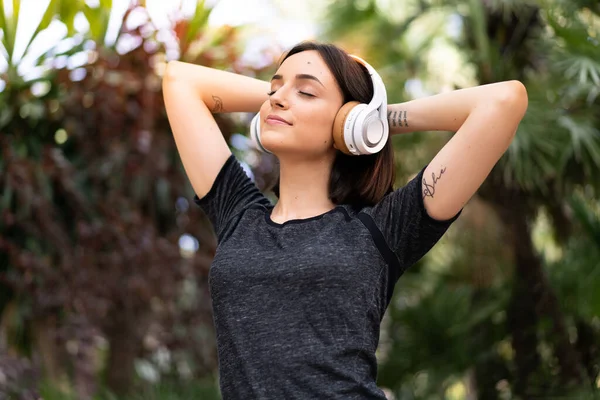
354, 180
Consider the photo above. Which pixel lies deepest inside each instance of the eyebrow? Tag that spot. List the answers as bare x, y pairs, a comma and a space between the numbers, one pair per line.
299, 76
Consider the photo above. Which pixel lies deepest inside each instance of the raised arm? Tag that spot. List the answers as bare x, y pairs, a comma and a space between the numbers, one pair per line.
192, 93
485, 119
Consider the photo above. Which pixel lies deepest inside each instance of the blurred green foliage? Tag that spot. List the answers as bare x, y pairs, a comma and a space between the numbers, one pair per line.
97, 295
103, 259
489, 314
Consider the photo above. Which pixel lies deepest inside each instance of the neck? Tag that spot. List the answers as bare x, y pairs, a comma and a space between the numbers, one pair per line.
303, 189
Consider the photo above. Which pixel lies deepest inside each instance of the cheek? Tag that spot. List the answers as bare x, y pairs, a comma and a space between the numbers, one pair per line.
319, 122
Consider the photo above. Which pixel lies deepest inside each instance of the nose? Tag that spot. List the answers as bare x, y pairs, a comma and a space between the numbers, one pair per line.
279, 98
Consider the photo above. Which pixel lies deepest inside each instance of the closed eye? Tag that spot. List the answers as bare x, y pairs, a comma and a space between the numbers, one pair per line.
271, 93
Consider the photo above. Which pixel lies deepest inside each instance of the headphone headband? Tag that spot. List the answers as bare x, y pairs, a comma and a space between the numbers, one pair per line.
379, 93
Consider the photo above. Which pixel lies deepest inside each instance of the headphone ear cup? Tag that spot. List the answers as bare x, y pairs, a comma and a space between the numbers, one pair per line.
339, 124
255, 128
255, 132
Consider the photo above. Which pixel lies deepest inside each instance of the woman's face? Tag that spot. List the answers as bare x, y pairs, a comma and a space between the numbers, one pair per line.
305, 95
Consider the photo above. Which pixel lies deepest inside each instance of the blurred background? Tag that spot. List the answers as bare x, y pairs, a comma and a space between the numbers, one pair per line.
104, 258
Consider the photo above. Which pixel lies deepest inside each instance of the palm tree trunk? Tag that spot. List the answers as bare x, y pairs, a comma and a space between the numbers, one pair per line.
522, 317
533, 298
588, 344
124, 343
51, 356
562, 224
86, 361
486, 374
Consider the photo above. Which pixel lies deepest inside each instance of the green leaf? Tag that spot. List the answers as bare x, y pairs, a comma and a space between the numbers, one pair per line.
106, 4
98, 18
47, 18
68, 9
98, 24
15, 19
9, 29
198, 21
480, 33
3, 50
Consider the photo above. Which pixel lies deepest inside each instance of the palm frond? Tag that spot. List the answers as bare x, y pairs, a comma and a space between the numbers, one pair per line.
577, 47
577, 275
8, 25
535, 152
584, 146
98, 19
587, 217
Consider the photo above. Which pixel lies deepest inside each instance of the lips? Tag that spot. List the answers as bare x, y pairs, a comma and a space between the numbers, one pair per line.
271, 118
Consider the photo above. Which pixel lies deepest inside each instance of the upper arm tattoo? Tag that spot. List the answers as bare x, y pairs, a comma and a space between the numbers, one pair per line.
429, 188
218, 107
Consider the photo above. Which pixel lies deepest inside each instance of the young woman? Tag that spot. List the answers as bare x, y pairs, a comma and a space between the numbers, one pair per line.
299, 288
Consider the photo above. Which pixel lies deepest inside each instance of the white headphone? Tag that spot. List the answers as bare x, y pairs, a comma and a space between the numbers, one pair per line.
358, 128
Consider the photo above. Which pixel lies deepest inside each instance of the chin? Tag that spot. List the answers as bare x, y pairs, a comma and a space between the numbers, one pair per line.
274, 139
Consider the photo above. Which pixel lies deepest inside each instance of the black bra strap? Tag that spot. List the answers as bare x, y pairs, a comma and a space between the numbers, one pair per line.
394, 268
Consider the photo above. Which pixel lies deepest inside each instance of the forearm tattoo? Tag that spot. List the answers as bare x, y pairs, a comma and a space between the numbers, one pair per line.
429, 188
218, 105
398, 118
